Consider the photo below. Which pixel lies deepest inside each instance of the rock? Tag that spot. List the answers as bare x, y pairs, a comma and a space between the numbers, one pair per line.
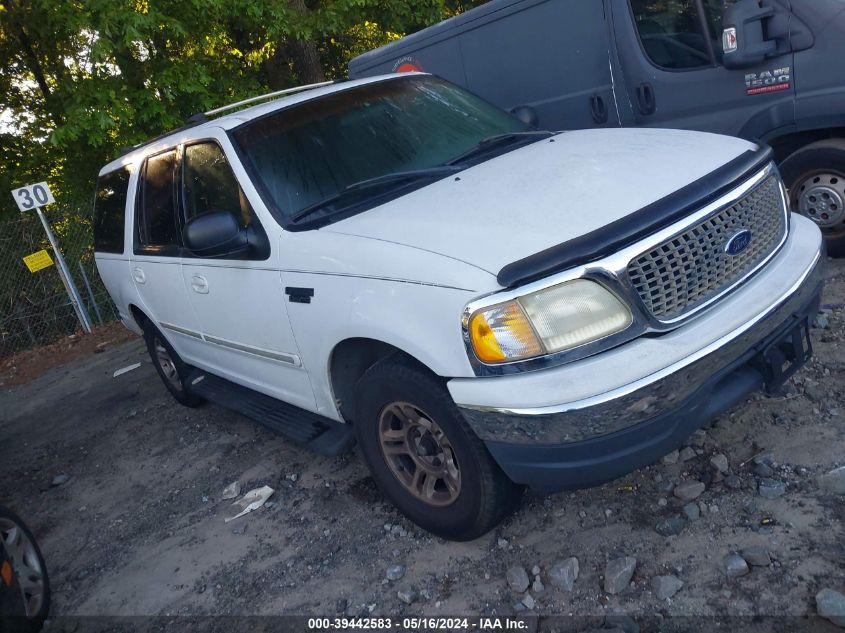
232, 491
537, 586
564, 573
671, 458
502, 543
623, 622
241, 529
720, 463
662, 502
834, 481
518, 579
58, 480
341, 605
687, 454
664, 587
733, 482
735, 566
692, 511
408, 594
671, 526
529, 601
771, 488
689, 490
698, 438
764, 470
831, 605
618, 573
821, 322
757, 556
535, 570
395, 572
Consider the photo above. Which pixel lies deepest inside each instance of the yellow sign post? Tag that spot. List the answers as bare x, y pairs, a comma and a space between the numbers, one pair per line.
38, 261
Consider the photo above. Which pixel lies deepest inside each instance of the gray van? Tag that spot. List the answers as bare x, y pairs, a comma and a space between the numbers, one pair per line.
769, 71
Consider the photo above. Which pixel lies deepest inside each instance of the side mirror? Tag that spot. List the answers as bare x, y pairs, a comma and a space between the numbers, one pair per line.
527, 115
746, 41
215, 234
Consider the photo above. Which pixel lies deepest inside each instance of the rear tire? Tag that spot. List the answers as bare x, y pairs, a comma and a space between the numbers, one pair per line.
424, 457
172, 370
815, 178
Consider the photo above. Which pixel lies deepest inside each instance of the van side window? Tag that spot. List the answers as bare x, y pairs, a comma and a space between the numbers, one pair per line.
671, 33
110, 211
157, 221
211, 185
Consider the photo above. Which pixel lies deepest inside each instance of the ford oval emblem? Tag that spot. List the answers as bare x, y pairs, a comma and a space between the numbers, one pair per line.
738, 243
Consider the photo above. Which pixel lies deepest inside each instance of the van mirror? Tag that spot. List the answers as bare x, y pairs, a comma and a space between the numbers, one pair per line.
747, 38
527, 115
215, 234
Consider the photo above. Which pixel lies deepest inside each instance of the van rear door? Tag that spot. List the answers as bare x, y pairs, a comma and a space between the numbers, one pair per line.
549, 54
671, 60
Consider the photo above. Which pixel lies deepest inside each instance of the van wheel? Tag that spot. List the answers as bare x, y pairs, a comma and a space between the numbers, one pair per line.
424, 457
172, 370
815, 178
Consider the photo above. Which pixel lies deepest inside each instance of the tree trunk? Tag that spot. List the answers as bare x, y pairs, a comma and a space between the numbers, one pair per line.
305, 56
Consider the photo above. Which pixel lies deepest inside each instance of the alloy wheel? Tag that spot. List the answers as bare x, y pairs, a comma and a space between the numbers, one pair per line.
26, 564
168, 367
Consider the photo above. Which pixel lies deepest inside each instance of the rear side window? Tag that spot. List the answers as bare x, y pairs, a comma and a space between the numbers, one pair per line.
110, 211
671, 33
157, 221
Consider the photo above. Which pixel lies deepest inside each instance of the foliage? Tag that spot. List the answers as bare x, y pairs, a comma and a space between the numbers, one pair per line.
83, 78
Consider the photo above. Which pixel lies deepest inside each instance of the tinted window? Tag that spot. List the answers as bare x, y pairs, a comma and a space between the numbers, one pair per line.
305, 154
110, 211
157, 219
211, 185
670, 31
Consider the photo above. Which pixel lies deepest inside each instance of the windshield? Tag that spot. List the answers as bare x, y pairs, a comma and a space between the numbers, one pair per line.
313, 151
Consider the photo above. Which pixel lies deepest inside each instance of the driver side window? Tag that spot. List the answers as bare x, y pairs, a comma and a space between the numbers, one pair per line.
211, 185
671, 32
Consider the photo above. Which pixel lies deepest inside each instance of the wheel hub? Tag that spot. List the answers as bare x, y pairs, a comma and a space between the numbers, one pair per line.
168, 367
419, 454
822, 199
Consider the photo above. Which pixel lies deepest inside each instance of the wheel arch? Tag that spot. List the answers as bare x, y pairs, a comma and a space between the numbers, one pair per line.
350, 359
785, 145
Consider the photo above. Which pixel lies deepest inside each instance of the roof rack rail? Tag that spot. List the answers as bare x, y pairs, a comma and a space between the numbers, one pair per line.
203, 117
269, 95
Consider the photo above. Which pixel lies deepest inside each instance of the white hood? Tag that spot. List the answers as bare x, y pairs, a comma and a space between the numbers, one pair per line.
544, 194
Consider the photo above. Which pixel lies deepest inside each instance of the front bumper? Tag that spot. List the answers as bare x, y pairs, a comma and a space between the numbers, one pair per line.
597, 438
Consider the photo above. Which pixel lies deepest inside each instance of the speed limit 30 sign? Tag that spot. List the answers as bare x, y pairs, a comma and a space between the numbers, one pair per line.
33, 196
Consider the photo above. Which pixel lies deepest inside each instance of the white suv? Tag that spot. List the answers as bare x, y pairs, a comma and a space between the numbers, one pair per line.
479, 305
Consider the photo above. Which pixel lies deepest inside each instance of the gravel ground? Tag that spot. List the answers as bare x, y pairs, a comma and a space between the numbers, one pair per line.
138, 527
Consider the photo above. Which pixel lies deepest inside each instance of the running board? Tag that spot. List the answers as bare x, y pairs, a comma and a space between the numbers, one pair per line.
315, 432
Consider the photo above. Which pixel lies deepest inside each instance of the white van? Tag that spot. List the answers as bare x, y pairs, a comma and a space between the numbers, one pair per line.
477, 304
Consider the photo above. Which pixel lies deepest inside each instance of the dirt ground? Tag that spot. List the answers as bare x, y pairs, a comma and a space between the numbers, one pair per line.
138, 529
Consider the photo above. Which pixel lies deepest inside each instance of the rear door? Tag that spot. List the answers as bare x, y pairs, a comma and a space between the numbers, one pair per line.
240, 300
670, 53
155, 262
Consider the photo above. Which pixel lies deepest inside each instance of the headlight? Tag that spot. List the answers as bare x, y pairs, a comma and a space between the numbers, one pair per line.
545, 322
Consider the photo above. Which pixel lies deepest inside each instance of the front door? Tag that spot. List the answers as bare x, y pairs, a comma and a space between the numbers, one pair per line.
239, 300
671, 53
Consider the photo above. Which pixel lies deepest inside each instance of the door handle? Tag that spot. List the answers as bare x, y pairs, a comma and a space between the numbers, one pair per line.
646, 99
598, 108
138, 276
199, 284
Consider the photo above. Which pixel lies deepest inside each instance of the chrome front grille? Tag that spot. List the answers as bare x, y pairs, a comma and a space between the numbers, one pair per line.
692, 268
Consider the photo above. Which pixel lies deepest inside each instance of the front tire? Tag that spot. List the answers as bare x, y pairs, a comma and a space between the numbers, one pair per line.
424, 457
815, 178
172, 370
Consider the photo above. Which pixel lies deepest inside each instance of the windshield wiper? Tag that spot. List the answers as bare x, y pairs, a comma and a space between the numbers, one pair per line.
499, 140
398, 177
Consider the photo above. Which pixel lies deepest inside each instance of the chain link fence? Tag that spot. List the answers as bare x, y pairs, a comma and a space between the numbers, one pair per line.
34, 307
